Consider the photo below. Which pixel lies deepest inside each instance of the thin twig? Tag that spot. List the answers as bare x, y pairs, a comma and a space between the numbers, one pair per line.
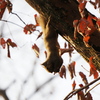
92, 88
84, 68
11, 23
77, 90
18, 17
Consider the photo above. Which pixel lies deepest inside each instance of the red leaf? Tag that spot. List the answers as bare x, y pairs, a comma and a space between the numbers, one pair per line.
2, 42
36, 16
73, 85
10, 43
86, 39
81, 8
86, 26
3, 5
29, 28
93, 70
81, 85
82, 26
62, 72
36, 50
71, 68
40, 35
83, 77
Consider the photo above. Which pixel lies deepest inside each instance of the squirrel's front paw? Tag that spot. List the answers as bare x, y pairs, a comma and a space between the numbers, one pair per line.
53, 63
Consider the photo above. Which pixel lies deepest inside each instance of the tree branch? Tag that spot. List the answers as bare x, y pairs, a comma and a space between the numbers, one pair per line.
77, 90
64, 13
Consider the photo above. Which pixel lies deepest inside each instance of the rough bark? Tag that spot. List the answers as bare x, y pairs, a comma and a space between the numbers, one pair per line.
64, 12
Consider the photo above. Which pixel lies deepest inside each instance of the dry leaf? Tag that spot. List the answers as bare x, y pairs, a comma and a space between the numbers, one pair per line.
36, 50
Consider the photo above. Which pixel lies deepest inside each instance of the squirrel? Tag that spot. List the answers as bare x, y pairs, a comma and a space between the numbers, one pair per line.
50, 36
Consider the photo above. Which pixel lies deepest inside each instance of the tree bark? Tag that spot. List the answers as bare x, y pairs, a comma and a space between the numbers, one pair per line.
64, 12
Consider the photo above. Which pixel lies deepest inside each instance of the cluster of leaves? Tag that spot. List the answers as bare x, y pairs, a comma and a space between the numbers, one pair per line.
3, 5
28, 29
96, 4
86, 26
7, 43
83, 93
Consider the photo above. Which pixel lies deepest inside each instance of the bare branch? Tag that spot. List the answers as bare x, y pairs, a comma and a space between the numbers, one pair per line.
77, 90
91, 88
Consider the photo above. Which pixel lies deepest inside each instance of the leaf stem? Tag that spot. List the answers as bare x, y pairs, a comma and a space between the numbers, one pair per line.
18, 17
11, 23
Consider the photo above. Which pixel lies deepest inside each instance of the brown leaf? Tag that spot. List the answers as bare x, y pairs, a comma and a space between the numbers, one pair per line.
62, 72
10, 43
45, 53
9, 6
83, 77
71, 68
66, 50
95, 3
65, 45
36, 50
70, 47
89, 96
40, 35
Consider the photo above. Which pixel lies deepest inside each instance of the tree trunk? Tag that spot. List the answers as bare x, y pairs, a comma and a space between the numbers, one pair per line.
64, 12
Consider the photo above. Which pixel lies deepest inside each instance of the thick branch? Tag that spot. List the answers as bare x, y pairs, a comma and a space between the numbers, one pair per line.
64, 12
